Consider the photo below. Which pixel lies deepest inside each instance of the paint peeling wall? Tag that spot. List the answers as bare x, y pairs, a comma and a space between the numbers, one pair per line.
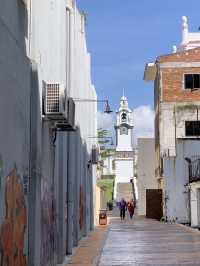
46, 197
14, 133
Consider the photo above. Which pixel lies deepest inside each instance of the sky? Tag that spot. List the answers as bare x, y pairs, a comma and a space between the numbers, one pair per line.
122, 36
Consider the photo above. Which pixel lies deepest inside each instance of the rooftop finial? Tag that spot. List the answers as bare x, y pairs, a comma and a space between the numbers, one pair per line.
184, 29
123, 93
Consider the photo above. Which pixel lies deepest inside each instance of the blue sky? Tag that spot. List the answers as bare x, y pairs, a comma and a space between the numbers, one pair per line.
123, 35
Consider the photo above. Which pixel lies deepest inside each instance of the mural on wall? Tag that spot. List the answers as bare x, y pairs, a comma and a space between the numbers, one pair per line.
81, 208
48, 224
12, 230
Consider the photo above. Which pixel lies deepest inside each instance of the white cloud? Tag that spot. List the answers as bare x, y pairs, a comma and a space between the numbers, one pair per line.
143, 122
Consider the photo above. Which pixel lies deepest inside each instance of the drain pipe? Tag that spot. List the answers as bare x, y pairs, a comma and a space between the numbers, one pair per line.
188, 160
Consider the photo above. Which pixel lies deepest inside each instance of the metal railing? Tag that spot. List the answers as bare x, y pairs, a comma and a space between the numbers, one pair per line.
194, 169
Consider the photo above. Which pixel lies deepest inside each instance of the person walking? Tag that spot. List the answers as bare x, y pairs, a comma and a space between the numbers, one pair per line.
131, 208
123, 208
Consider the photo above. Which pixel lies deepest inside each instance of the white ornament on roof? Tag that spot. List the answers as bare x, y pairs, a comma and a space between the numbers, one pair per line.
184, 30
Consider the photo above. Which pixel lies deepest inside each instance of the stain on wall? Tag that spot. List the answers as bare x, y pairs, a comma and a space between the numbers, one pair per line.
1, 170
81, 208
48, 224
12, 230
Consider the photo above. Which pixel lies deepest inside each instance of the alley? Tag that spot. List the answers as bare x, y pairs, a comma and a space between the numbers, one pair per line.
148, 242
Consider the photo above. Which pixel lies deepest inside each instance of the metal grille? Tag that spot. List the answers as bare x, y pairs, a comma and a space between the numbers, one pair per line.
52, 104
194, 170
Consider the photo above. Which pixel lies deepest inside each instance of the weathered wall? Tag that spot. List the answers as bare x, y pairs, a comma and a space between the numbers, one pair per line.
14, 134
46, 182
173, 85
176, 180
195, 204
59, 49
146, 171
172, 124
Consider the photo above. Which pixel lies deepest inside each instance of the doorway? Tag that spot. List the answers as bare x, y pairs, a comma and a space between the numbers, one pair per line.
154, 207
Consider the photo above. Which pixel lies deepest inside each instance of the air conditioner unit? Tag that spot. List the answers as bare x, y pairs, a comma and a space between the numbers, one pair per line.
55, 101
69, 123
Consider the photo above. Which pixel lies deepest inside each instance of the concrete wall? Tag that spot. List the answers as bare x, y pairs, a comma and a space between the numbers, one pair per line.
51, 176
172, 124
146, 171
14, 132
195, 204
177, 206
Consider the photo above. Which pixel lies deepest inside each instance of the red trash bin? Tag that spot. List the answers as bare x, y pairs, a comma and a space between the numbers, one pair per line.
103, 217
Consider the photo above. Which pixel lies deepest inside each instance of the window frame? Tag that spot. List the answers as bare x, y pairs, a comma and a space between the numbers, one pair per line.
193, 129
184, 81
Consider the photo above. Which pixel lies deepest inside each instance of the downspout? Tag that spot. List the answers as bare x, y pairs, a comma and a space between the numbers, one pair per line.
70, 139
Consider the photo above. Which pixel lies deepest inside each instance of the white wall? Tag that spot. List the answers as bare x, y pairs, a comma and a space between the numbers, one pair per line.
146, 171
58, 49
124, 142
176, 180
195, 208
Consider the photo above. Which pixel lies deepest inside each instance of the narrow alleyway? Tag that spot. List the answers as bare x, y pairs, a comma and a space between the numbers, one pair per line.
148, 242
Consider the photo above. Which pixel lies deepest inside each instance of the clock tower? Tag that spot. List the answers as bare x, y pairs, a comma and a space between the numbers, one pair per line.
124, 158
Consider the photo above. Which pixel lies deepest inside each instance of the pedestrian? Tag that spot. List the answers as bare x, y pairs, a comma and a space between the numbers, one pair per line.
123, 208
131, 208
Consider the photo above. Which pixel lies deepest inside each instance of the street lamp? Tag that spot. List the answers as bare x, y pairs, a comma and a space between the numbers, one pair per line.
107, 109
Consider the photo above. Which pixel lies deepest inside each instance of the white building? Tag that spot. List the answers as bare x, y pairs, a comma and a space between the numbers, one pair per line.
145, 171
124, 151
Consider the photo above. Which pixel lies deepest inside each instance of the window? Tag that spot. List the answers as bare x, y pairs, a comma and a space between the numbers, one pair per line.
192, 128
192, 81
123, 131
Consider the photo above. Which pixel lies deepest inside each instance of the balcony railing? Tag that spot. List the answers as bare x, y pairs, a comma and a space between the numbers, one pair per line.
194, 170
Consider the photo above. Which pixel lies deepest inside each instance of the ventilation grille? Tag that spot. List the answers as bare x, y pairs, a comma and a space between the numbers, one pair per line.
53, 98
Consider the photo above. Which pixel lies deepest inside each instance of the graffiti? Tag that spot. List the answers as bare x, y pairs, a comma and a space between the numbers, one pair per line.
48, 224
13, 228
81, 208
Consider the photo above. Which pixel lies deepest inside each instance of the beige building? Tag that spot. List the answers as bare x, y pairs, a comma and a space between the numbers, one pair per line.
145, 170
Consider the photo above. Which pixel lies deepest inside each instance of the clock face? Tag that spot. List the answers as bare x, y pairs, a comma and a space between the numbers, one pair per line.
123, 131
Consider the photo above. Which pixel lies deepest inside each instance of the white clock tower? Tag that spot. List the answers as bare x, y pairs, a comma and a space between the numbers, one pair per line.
124, 159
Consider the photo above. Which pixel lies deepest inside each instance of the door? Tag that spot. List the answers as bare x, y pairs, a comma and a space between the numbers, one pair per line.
154, 207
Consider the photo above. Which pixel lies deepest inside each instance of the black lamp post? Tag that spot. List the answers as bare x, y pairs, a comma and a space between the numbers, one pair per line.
107, 109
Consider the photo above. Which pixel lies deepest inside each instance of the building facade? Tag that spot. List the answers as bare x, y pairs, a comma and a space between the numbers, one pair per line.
49, 171
124, 157
177, 102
